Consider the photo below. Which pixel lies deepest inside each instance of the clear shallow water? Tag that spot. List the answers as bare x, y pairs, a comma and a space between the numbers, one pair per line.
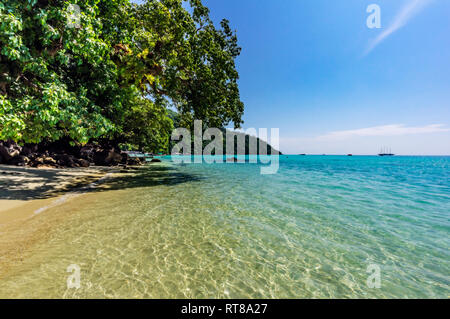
224, 230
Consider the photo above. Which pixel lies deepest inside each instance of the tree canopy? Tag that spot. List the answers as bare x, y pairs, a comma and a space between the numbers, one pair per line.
117, 73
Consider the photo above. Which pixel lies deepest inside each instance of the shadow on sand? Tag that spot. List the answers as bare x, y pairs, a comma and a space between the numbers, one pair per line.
148, 176
18, 183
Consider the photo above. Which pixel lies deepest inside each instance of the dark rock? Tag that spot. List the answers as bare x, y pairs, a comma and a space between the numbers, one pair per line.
124, 158
133, 161
113, 158
37, 161
49, 161
71, 161
64, 159
8, 150
62, 154
99, 158
87, 152
62, 146
155, 160
83, 163
19, 160
29, 149
107, 158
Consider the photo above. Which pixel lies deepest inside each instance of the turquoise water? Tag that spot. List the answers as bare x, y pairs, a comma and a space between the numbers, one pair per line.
335, 215
224, 230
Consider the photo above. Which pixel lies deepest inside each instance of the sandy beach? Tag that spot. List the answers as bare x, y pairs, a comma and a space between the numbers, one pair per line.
23, 190
26, 193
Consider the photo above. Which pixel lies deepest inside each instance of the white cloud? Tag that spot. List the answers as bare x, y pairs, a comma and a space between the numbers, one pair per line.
409, 10
431, 139
385, 130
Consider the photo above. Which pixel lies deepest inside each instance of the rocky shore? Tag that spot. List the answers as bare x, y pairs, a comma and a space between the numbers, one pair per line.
61, 155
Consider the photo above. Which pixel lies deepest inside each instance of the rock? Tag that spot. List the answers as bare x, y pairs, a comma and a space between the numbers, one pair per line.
99, 158
87, 152
49, 161
155, 160
15, 153
37, 161
9, 149
29, 149
124, 158
133, 161
61, 154
19, 160
113, 158
107, 158
83, 163
71, 161
65, 160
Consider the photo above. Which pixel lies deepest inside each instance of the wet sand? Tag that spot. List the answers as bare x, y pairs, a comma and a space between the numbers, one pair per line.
26, 193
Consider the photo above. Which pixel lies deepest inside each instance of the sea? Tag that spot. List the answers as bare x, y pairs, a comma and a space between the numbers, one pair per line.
320, 227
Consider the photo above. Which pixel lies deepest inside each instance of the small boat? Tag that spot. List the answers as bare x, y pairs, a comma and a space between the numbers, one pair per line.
386, 152
302, 154
349, 154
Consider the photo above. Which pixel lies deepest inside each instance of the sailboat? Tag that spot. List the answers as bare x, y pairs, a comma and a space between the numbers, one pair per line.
386, 152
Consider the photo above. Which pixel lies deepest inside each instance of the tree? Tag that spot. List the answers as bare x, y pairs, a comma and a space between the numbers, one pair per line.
116, 74
184, 58
55, 81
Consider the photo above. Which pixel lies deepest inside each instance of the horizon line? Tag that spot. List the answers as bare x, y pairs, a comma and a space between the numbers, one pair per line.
395, 155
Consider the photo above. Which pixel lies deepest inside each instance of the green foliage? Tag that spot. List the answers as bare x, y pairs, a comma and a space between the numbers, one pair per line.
137, 132
116, 74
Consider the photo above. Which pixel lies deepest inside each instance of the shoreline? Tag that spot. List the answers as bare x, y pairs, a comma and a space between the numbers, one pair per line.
23, 190
25, 196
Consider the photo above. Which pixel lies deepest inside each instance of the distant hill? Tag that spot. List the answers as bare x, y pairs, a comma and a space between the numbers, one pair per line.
177, 123
250, 139
237, 136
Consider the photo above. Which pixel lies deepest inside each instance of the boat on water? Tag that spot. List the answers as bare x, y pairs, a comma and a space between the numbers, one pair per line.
386, 152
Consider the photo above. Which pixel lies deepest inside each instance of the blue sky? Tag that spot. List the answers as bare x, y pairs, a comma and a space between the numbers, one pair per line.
315, 70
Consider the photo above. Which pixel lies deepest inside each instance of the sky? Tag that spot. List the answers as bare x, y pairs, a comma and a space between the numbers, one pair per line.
313, 69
